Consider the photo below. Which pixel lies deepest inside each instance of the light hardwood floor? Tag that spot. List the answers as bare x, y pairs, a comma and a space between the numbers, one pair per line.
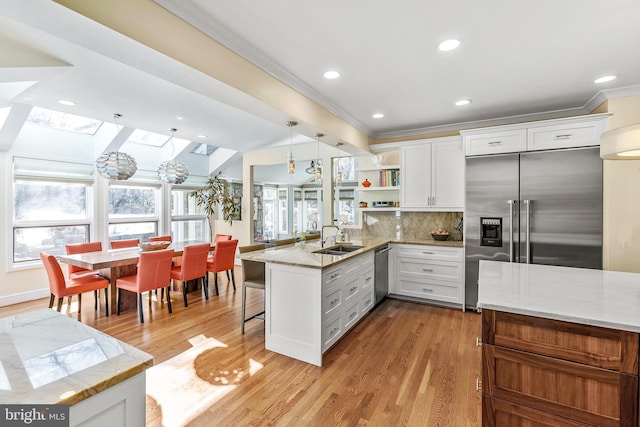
405, 364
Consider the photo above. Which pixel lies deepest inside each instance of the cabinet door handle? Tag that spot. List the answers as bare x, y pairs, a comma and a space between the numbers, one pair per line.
478, 385
565, 136
353, 289
495, 143
333, 276
478, 342
352, 315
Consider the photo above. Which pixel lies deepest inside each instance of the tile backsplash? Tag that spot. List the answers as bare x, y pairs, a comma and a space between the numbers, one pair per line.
406, 224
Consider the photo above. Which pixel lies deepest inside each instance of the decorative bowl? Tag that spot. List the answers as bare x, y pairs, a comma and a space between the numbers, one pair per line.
440, 237
154, 246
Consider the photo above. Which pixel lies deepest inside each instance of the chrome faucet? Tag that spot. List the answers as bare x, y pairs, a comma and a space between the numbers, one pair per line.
323, 239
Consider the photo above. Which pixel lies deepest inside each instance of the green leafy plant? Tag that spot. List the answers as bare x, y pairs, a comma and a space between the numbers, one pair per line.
213, 195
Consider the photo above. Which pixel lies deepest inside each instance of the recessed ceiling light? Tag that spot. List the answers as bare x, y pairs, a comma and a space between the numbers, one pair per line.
462, 102
331, 75
378, 116
604, 79
448, 45
201, 136
65, 102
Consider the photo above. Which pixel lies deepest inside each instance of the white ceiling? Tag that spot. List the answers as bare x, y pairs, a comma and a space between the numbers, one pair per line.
518, 61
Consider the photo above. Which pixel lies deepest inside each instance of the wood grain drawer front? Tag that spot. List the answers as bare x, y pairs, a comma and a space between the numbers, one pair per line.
510, 141
564, 136
435, 253
501, 413
420, 288
579, 392
591, 345
332, 300
433, 270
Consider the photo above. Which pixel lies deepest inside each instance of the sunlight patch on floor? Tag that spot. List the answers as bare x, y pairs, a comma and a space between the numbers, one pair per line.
186, 385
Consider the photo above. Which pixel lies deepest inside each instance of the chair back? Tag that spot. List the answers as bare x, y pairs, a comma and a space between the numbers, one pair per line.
221, 237
127, 243
285, 241
194, 261
252, 270
81, 248
223, 256
57, 284
154, 268
160, 239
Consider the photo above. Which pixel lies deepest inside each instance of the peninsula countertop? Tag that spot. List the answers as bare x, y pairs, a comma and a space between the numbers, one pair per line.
47, 358
608, 299
301, 254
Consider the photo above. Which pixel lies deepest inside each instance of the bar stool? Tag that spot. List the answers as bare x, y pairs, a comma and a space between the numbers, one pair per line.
252, 277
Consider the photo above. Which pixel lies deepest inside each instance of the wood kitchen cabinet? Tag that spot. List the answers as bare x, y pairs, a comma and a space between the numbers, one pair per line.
545, 372
432, 174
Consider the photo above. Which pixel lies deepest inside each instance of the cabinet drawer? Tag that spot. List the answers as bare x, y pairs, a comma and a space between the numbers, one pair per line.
582, 393
366, 302
501, 413
433, 270
331, 331
420, 288
332, 300
351, 314
564, 136
496, 142
367, 280
351, 288
596, 346
438, 253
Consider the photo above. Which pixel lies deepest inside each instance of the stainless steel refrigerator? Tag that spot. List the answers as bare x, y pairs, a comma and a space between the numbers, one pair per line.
536, 207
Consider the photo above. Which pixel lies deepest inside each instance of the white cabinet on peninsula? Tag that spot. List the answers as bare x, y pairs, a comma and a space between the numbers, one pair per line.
432, 175
309, 309
434, 273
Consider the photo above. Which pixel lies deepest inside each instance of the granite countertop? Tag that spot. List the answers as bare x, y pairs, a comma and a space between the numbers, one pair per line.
301, 254
609, 299
47, 358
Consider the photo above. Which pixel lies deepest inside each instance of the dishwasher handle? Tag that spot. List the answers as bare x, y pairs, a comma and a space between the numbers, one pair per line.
383, 250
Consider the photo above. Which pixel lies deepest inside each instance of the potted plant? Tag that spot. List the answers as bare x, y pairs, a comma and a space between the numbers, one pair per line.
213, 195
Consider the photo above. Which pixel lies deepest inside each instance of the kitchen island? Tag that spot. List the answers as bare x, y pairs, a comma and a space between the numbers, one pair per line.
47, 358
560, 345
312, 299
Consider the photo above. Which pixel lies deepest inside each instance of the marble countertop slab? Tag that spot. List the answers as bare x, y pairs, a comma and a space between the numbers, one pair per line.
609, 299
302, 254
47, 357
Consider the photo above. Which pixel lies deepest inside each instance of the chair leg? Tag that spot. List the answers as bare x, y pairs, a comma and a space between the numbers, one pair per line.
140, 308
162, 293
69, 298
205, 288
184, 292
233, 279
228, 279
106, 301
151, 297
215, 280
244, 303
118, 295
79, 305
60, 301
52, 298
168, 298
95, 299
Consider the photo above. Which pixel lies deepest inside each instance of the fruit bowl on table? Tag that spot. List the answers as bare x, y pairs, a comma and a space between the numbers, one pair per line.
154, 246
440, 237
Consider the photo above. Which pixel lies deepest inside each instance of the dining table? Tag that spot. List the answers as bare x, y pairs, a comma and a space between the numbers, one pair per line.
116, 263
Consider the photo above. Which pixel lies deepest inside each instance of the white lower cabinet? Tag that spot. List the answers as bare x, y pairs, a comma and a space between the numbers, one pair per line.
434, 273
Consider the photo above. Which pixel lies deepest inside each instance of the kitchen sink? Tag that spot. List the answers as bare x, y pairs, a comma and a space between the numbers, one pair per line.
338, 250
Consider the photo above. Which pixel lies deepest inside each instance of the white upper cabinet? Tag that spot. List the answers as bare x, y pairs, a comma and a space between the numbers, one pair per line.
432, 175
581, 131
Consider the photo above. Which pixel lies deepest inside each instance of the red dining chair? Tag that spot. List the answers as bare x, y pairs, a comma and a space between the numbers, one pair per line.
216, 239
160, 239
127, 243
61, 288
74, 271
194, 267
154, 271
223, 260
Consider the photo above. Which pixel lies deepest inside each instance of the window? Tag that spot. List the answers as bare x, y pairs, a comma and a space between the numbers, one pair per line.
51, 207
188, 220
345, 205
269, 212
133, 212
63, 121
283, 211
312, 208
297, 210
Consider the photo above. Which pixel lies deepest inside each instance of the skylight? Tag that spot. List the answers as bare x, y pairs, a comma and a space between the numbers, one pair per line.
140, 136
204, 149
63, 121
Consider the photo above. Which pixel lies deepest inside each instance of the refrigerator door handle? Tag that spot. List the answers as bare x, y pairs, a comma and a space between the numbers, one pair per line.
527, 204
511, 203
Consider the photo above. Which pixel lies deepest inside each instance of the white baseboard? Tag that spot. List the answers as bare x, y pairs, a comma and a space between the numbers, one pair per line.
25, 296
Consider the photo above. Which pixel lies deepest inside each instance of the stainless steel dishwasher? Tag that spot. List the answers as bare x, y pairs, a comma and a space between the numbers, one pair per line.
381, 281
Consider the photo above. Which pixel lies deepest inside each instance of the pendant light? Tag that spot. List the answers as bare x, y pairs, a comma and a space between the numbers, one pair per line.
291, 163
318, 160
338, 171
114, 165
172, 171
